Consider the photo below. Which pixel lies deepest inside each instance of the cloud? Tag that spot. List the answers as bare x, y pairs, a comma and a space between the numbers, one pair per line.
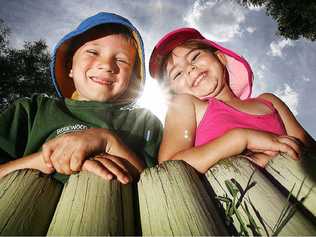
289, 96
276, 47
251, 29
219, 20
307, 79
255, 8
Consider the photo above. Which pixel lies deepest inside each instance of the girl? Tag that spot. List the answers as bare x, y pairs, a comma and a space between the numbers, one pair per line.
212, 117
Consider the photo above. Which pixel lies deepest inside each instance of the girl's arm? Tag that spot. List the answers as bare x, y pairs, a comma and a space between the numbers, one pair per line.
292, 126
179, 135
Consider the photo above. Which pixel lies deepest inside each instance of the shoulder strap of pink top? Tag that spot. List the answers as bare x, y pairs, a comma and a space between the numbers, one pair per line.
266, 102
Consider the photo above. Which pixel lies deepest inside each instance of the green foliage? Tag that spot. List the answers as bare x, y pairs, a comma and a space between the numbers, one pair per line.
236, 198
295, 18
22, 71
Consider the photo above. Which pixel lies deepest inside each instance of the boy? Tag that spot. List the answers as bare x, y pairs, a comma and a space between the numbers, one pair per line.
98, 70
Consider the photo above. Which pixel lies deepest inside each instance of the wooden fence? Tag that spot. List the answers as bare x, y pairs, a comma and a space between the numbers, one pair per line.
233, 198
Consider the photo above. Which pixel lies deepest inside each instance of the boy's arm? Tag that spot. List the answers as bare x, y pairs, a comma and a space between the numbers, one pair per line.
68, 152
33, 161
292, 126
179, 135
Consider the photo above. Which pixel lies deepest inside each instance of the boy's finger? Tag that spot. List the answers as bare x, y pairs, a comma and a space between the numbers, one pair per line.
46, 154
61, 162
120, 174
117, 160
76, 160
97, 168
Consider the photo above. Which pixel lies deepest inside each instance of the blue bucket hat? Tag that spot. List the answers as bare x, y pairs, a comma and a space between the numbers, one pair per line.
63, 52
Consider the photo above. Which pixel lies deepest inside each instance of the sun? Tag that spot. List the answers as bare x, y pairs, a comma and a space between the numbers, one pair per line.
155, 99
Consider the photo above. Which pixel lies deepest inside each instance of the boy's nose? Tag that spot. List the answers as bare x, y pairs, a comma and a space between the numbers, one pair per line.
106, 65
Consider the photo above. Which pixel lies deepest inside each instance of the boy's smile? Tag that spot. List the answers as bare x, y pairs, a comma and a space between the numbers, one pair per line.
102, 68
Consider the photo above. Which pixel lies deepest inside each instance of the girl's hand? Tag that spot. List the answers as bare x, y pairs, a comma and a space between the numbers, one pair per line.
108, 167
270, 144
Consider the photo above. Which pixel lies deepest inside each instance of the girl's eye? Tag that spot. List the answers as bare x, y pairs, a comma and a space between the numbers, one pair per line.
195, 56
177, 75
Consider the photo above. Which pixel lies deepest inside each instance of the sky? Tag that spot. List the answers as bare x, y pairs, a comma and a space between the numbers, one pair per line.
284, 67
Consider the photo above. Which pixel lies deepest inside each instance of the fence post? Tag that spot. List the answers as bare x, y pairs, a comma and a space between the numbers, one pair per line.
27, 202
174, 201
264, 195
89, 205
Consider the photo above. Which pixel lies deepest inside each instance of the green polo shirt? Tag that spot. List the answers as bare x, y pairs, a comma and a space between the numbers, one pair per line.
30, 122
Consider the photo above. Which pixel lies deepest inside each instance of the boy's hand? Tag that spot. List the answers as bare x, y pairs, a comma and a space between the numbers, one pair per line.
68, 152
108, 167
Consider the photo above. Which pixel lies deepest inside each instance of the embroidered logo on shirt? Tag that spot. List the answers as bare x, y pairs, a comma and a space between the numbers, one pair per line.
71, 128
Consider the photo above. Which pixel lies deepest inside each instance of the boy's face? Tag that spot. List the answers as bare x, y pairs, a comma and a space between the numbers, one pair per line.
102, 68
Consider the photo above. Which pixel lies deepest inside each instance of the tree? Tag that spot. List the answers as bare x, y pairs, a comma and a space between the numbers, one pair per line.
22, 71
295, 18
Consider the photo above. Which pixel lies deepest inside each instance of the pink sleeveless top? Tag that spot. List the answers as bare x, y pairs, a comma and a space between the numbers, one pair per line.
220, 118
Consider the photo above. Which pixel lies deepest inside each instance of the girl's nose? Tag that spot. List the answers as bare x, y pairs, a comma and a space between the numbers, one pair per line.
190, 73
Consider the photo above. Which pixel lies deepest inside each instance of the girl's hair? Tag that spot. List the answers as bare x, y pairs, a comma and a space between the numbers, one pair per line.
190, 44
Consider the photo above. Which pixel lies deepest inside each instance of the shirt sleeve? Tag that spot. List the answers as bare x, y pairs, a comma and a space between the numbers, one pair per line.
15, 124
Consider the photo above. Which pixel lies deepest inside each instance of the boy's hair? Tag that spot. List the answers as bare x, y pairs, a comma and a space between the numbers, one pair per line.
102, 31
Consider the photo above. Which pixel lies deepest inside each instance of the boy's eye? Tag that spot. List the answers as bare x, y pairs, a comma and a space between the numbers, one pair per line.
122, 60
92, 51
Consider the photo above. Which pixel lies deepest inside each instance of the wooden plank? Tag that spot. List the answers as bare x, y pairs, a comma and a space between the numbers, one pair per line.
90, 205
174, 201
291, 173
27, 202
265, 196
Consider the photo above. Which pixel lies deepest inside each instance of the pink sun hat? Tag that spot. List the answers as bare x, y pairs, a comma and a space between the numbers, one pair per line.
240, 73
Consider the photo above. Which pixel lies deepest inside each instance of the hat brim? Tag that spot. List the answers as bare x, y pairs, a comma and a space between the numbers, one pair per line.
59, 69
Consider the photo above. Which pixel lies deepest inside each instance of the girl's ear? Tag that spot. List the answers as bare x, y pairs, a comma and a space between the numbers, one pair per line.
221, 57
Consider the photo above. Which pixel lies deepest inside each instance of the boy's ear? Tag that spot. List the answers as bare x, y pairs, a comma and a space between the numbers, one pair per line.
70, 74
221, 57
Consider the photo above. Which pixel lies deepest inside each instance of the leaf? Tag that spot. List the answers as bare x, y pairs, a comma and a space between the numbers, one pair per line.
234, 181
252, 223
231, 188
260, 218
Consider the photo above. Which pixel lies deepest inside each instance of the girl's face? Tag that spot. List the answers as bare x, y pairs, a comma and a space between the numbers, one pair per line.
197, 72
102, 68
